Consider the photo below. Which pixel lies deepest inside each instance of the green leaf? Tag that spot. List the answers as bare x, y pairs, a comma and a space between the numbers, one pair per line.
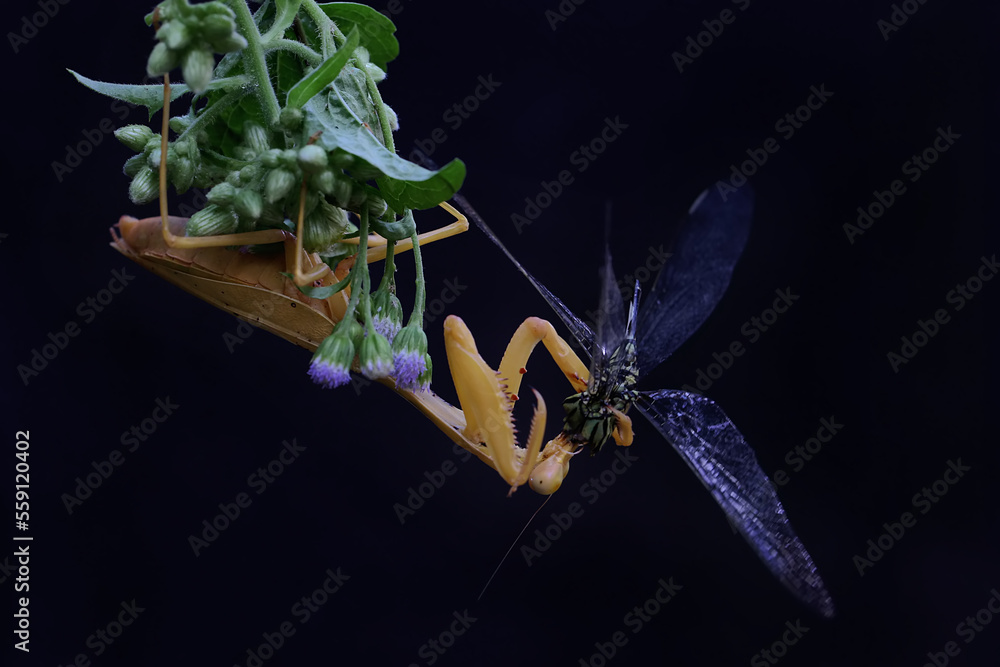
377, 30
323, 75
353, 89
404, 184
288, 72
284, 16
151, 95
398, 230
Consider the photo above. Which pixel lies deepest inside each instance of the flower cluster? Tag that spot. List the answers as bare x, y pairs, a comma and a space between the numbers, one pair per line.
290, 125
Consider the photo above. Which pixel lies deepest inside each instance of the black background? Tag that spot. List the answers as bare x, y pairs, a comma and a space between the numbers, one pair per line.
334, 506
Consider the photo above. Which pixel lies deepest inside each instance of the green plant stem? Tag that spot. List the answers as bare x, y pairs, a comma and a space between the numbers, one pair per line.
383, 117
253, 61
359, 272
365, 275
417, 317
211, 112
390, 265
324, 25
295, 48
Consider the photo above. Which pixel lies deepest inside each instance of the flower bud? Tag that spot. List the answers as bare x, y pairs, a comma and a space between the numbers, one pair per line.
375, 72
278, 184
375, 356
393, 118
323, 181
271, 158
222, 194
291, 118
182, 174
217, 26
212, 221
198, 67
317, 233
312, 158
174, 34
248, 204
256, 137
134, 136
134, 164
376, 206
387, 314
409, 352
145, 187
161, 60
331, 364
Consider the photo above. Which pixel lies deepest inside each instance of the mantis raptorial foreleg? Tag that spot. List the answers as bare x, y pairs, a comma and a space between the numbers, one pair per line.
487, 398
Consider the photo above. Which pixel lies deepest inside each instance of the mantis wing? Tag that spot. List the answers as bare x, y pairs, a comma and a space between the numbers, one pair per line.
717, 453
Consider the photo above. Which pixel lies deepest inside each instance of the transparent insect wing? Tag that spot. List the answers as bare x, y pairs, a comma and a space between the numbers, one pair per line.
717, 453
610, 325
694, 278
576, 326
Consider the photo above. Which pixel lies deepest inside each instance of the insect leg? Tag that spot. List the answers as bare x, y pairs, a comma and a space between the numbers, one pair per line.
532, 331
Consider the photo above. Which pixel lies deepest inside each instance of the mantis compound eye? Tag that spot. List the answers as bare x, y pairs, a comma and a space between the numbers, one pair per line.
548, 475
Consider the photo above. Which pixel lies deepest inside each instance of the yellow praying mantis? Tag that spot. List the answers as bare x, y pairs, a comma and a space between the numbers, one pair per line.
254, 288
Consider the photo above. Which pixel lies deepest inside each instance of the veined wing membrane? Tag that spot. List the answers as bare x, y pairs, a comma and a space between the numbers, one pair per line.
709, 242
717, 453
580, 331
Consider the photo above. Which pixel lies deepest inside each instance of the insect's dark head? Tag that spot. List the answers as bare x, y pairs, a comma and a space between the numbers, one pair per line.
588, 421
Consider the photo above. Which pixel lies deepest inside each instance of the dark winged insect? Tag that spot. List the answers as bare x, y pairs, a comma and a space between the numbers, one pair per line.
626, 347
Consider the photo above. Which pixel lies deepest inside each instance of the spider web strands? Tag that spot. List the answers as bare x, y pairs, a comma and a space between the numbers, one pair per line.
717, 453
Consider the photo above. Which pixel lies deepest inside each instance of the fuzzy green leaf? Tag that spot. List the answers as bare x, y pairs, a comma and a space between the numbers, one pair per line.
323, 75
377, 30
151, 95
404, 184
288, 72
